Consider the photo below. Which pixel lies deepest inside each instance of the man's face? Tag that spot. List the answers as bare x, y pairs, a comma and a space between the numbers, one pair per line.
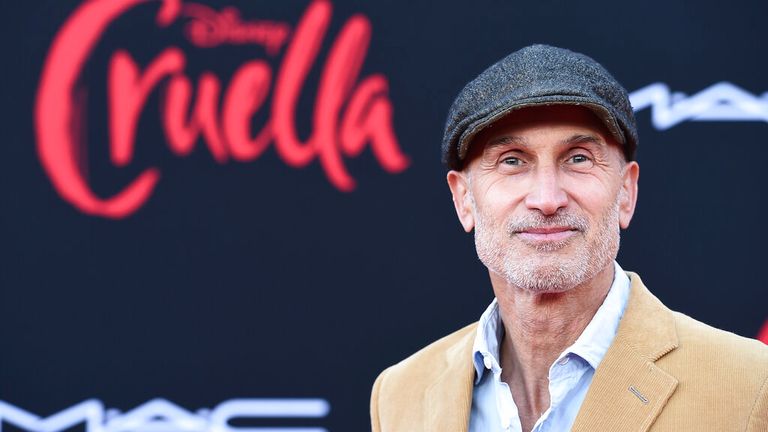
546, 190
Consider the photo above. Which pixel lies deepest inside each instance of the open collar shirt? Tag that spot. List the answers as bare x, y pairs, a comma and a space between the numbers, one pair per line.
493, 408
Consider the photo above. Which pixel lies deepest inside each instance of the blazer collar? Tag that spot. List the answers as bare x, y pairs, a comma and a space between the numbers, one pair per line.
449, 399
627, 392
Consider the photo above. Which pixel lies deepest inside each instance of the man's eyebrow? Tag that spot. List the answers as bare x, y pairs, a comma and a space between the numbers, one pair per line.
505, 140
583, 139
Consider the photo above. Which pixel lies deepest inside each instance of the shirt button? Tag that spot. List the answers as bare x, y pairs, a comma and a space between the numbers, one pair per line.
564, 361
488, 362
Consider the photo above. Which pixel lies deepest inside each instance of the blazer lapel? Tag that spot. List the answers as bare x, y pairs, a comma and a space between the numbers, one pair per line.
628, 390
448, 401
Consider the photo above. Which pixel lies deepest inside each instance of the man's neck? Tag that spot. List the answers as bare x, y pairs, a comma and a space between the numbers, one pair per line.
538, 328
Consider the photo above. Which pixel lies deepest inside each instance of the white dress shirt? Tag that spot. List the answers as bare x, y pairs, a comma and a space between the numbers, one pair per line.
493, 408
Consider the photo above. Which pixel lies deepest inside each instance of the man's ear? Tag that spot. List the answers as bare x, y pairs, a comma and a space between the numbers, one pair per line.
628, 193
462, 200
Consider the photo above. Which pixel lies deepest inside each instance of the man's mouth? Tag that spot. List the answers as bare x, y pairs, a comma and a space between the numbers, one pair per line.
547, 234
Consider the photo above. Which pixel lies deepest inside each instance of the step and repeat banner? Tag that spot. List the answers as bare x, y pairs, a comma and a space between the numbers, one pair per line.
230, 215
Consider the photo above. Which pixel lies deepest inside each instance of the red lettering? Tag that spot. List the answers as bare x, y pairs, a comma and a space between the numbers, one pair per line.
369, 112
341, 71
299, 57
369, 119
128, 93
247, 92
204, 118
348, 113
209, 28
55, 104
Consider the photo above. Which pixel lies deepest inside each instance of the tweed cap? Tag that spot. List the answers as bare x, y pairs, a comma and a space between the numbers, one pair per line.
538, 75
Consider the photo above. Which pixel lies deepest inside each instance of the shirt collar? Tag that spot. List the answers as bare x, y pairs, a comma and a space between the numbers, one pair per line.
591, 345
486, 346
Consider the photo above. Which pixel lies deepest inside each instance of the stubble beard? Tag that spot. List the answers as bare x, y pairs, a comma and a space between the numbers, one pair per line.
548, 267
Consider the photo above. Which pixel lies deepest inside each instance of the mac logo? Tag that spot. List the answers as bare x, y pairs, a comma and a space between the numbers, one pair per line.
722, 101
161, 415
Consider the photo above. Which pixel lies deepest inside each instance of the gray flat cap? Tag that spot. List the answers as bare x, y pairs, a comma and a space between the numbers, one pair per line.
538, 75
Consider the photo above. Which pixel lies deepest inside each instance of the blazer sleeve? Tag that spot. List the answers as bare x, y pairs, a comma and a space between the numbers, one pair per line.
758, 418
375, 422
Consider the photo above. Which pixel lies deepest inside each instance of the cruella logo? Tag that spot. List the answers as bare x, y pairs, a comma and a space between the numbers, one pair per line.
162, 415
350, 112
722, 101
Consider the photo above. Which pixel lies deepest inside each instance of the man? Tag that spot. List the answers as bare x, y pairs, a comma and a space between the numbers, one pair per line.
541, 150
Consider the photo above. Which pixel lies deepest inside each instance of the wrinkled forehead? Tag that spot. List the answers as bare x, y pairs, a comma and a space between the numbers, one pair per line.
541, 117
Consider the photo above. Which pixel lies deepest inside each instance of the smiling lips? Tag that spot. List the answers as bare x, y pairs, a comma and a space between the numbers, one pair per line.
547, 234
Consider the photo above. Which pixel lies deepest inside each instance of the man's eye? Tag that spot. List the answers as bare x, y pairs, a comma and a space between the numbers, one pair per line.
579, 158
511, 161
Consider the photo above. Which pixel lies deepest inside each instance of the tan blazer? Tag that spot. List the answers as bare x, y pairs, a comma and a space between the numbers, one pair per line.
664, 372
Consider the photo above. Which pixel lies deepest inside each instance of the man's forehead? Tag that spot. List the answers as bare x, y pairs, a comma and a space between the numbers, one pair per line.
510, 138
509, 129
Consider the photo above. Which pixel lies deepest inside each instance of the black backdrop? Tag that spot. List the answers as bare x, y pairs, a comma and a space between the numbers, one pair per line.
259, 279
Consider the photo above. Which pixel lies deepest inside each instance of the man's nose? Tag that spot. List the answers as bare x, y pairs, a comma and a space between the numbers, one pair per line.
546, 193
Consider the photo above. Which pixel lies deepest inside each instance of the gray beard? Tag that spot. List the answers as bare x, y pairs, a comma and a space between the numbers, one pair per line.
540, 268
